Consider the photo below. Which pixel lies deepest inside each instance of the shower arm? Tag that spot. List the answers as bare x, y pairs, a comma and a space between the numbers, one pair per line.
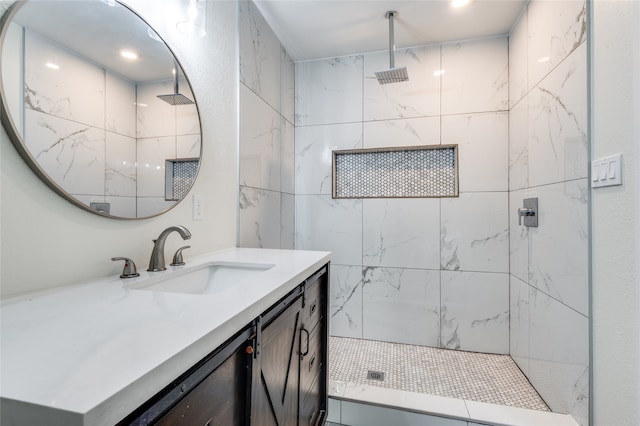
392, 44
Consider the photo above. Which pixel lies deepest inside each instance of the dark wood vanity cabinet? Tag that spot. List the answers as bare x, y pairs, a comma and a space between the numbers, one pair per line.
289, 371
271, 373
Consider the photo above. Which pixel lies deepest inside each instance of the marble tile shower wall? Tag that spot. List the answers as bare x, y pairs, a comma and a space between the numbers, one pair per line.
548, 159
266, 135
89, 128
420, 271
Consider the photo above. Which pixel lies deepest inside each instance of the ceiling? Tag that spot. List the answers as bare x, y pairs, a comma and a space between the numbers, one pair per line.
316, 29
97, 31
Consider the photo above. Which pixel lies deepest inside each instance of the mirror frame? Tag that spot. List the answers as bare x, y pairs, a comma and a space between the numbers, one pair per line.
17, 140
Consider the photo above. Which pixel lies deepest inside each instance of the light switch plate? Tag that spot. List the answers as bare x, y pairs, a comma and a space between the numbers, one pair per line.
198, 207
606, 171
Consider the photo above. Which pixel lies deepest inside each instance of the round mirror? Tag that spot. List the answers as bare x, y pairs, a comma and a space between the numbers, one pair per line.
97, 105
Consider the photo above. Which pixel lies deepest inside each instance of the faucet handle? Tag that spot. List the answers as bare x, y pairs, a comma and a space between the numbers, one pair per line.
129, 270
177, 258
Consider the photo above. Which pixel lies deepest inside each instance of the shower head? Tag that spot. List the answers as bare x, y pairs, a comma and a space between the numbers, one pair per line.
175, 98
393, 74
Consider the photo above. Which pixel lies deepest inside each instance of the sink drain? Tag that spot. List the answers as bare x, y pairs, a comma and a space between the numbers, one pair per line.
375, 375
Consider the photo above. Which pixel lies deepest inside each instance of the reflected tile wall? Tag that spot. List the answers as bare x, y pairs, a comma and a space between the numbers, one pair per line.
188, 146
59, 92
267, 148
91, 119
151, 170
154, 116
120, 106
71, 153
187, 119
121, 165
549, 160
122, 206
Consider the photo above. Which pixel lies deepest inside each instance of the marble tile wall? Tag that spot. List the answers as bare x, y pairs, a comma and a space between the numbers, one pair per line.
548, 158
267, 206
454, 273
411, 270
103, 138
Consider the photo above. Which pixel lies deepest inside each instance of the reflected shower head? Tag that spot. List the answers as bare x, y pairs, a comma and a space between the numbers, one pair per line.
393, 74
175, 98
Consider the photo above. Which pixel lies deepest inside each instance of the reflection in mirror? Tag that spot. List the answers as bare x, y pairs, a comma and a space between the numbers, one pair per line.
97, 105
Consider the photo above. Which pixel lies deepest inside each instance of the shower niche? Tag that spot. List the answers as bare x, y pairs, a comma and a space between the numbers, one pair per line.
407, 172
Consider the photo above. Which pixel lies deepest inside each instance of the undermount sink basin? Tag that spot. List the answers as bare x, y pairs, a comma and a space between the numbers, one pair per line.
209, 278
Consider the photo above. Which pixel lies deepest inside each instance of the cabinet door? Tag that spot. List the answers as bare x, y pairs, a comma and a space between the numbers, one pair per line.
276, 371
218, 400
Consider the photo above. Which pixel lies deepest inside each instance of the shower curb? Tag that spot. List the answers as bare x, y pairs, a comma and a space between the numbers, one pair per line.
354, 404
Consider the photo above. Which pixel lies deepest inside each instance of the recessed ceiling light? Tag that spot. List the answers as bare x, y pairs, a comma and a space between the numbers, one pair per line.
52, 66
438, 73
459, 3
128, 54
544, 59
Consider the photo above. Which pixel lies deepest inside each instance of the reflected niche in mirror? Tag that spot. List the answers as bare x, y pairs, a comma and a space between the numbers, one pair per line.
98, 106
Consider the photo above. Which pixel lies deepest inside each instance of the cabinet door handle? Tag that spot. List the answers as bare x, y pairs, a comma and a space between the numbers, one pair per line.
303, 354
312, 361
208, 423
313, 307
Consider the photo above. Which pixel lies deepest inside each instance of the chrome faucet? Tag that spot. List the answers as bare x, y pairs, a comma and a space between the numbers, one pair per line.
157, 255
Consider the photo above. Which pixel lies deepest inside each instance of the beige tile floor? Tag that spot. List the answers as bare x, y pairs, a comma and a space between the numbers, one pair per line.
472, 376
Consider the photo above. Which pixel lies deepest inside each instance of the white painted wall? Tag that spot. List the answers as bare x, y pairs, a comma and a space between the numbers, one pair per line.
48, 242
615, 230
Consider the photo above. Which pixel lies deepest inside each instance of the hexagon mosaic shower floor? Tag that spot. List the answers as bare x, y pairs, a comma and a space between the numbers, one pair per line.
495, 379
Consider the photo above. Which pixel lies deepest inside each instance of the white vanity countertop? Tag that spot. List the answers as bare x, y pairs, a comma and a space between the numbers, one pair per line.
91, 354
